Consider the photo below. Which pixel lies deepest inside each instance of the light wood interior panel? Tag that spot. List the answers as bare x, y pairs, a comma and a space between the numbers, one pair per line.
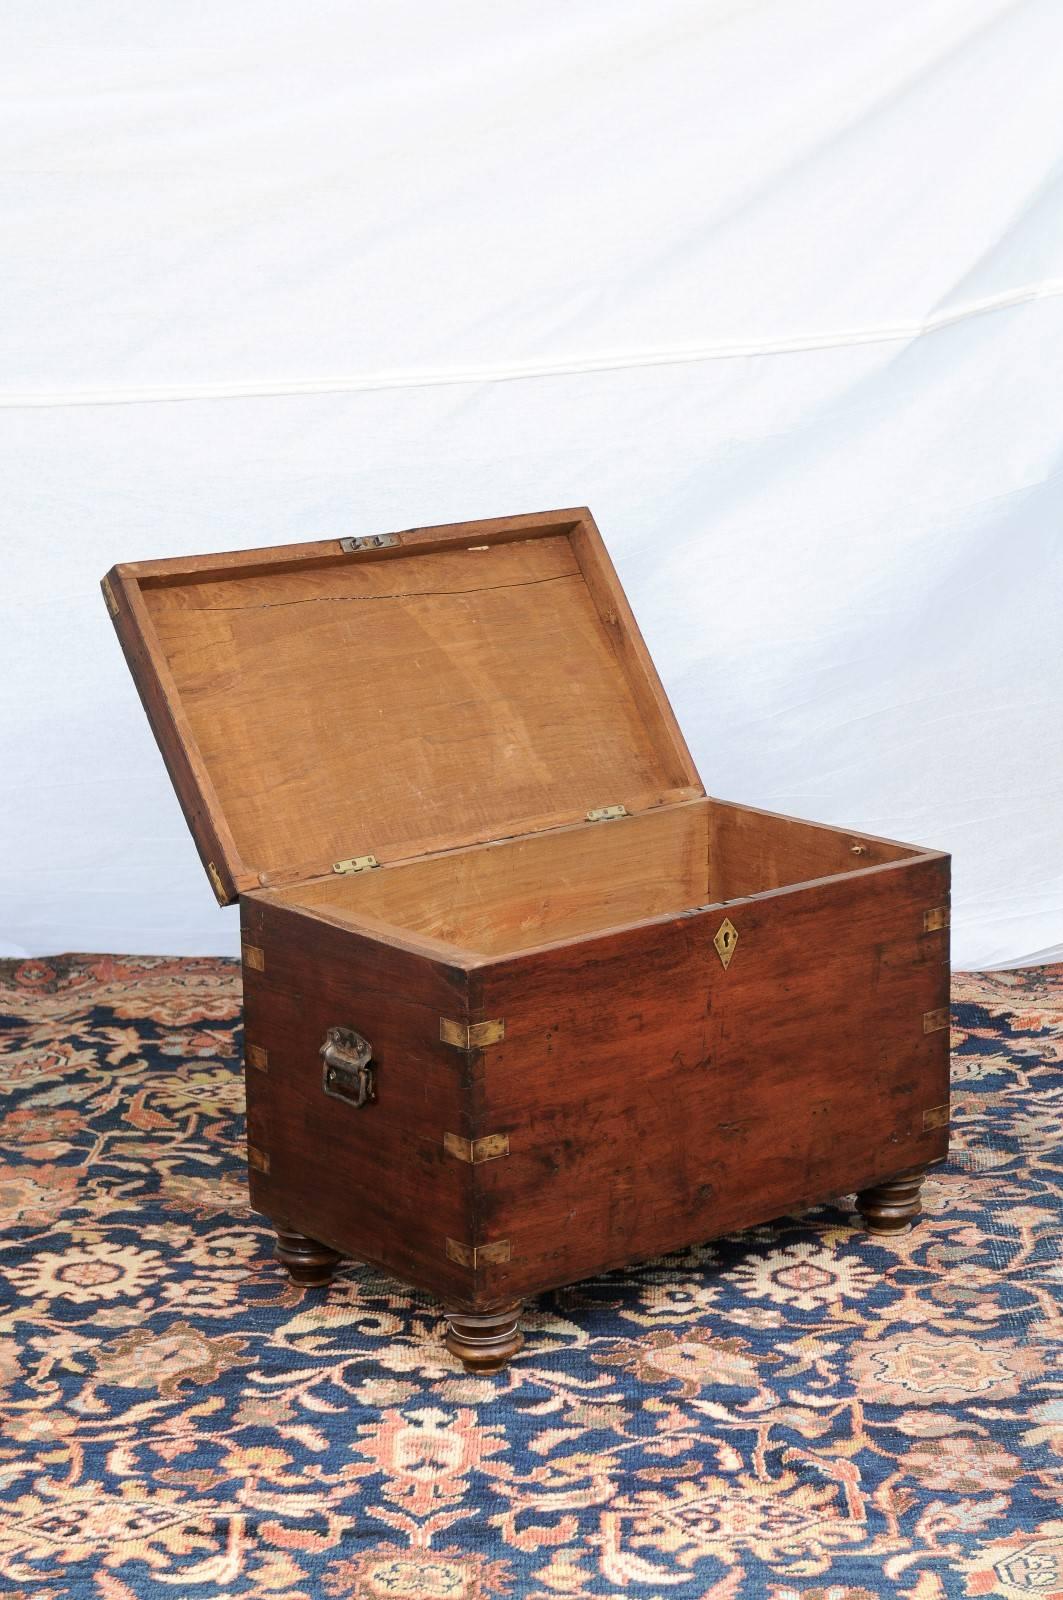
407, 703
521, 893
752, 851
530, 891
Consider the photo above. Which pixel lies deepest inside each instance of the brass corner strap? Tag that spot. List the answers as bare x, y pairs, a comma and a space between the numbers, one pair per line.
253, 957
467, 1255
471, 1035
934, 1021
108, 596
220, 892
256, 1057
489, 1148
939, 917
936, 1117
258, 1159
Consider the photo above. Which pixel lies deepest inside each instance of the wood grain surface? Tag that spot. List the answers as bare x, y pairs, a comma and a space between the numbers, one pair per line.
534, 890
374, 1183
653, 1099
462, 684
567, 1076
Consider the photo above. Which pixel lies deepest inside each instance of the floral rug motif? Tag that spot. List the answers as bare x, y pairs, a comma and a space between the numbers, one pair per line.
798, 1412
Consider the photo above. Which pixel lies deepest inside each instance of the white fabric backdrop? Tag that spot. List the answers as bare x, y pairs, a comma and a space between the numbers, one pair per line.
776, 289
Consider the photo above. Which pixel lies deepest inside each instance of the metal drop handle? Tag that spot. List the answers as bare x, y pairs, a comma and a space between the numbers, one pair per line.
349, 1065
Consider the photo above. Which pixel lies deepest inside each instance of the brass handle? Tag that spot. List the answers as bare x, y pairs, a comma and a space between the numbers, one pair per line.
348, 1073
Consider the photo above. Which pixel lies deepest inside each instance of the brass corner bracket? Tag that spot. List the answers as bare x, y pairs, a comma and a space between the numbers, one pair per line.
489, 1148
471, 1035
467, 1255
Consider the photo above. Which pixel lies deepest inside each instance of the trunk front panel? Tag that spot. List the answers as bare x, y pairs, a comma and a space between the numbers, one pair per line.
654, 1098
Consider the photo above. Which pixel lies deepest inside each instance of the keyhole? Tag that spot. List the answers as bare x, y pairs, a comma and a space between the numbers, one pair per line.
725, 939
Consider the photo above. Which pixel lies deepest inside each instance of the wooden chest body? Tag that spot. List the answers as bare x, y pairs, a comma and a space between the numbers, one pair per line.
587, 1039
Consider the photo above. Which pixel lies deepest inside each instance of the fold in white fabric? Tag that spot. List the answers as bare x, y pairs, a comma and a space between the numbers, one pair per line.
775, 289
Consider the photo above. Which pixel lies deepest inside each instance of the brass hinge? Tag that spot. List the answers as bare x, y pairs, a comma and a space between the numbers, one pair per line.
108, 595
254, 957
489, 1148
356, 864
216, 884
606, 813
467, 1255
939, 917
933, 1021
375, 541
255, 1056
471, 1035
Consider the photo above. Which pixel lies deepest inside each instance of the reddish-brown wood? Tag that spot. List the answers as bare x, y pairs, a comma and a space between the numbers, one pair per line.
890, 1206
552, 1046
652, 1097
374, 1182
648, 1096
309, 1264
484, 1341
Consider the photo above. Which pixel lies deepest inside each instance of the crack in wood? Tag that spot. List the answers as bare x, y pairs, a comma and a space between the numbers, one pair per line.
405, 594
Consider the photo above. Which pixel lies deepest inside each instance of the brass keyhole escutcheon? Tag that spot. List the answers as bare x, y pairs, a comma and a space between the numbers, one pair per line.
725, 941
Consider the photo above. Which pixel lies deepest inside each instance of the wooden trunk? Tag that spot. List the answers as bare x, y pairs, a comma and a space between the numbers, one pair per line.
522, 1004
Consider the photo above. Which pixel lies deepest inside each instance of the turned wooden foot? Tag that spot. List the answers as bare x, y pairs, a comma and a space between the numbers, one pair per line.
485, 1340
309, 1263
890, 1206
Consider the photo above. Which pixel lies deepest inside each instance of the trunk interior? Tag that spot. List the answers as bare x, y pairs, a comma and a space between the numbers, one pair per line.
518, 894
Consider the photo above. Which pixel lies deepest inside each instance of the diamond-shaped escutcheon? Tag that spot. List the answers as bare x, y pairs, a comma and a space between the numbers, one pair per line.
725, 940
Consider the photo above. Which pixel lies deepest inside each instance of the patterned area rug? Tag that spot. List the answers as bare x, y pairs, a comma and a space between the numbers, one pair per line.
799, 1412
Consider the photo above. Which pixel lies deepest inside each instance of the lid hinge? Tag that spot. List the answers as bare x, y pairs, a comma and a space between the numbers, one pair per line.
606, 813
375, 541
356, 864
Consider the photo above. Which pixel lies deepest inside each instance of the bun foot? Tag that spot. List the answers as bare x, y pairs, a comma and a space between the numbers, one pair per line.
889, 1207
309, 1264
484, 1341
